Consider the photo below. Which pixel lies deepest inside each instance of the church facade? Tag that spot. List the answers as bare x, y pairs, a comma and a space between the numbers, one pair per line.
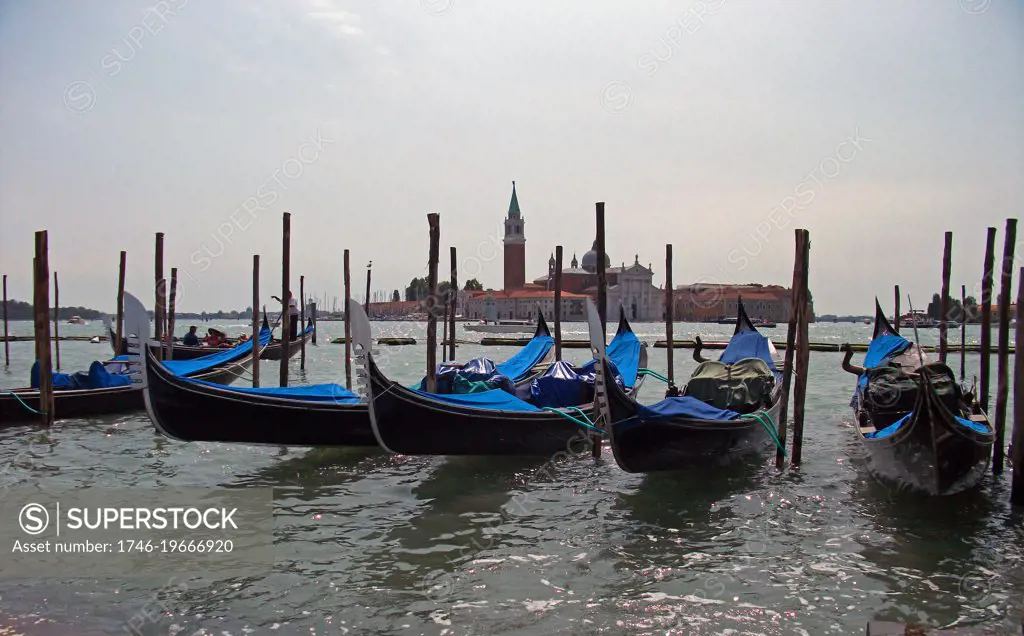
629, 285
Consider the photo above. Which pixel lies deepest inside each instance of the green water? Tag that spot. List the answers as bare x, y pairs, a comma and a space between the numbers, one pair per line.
373, 544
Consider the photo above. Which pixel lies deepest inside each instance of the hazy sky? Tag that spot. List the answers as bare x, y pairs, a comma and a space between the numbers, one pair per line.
718, 126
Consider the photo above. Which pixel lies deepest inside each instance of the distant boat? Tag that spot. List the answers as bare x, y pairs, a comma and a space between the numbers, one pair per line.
502, 326
757, 322
77, 320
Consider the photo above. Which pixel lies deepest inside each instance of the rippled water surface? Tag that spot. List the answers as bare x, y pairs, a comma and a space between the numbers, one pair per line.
371, 543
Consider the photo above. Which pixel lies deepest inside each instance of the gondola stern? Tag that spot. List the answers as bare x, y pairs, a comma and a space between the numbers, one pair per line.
743, 321
370, 381
542, 325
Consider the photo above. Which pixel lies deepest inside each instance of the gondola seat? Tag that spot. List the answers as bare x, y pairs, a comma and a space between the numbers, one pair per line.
744, 386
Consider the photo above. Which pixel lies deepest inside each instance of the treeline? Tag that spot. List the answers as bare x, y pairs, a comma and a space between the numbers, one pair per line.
19, 310
419, 289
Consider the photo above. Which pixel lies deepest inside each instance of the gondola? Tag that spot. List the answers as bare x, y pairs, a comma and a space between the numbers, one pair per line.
99, 399
320, 415
411, 422
21, 405
922, 431
183, 352
727, 411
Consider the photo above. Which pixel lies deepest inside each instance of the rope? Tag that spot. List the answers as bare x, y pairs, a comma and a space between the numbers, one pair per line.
586, 423
769, 426
644, 371
20, 401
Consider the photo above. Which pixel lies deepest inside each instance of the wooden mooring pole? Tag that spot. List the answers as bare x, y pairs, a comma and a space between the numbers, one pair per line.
158, 307
1017, 445
286, 257
453, 289
1002, 372
255, 319
947, 256
7, 346
896, 316
963, 333
558, 303
41, 307
366, 301
348, 323
986, 318
602, 303
787, 367
803, 353
434, 222
170, 313
669, 328
302, 322
444, 328
56, 321
120, 302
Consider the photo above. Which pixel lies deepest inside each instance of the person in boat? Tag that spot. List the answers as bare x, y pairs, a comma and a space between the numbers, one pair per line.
191, 339
214, 338
293, 315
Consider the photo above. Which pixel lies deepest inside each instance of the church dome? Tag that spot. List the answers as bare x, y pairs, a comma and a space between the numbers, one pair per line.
589, 262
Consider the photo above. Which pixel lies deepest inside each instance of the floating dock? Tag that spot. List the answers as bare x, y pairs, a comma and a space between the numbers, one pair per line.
71, 338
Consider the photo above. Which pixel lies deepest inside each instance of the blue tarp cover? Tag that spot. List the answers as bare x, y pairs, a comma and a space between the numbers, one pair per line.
494, 400
563, 385
198, 365
748, 344
895, 426
97, 377
305, 393
684, 406
624, 352
456, 378
518, 366
884, 348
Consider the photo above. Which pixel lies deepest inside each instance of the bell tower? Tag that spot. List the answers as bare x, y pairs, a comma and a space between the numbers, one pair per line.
515, 245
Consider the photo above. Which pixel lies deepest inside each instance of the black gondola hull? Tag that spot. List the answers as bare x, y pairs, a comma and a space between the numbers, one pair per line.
645, 446
69, 404
196, 413
410, 424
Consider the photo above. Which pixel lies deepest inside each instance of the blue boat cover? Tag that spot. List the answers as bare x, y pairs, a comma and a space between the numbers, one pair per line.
884, 348
182, 368
304, 393
493, 400
469, 378
518, 367
624, 352
97, 377
748, 344
895, 426
565, 385
684, 406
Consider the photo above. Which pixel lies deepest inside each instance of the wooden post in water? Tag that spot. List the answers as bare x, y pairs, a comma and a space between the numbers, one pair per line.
787, 368
41, 307
348, 324
803, 352
434, 222
366, 303
947, 255
669, 328
286, 257
896, 323
1002, 372
170, 313
963, 332
986, 317
158, 307
120, 302
454, 291
602, 302
1017, 492
444, 328
558, 303
7, 346
302, 322
56, 320
255, 319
